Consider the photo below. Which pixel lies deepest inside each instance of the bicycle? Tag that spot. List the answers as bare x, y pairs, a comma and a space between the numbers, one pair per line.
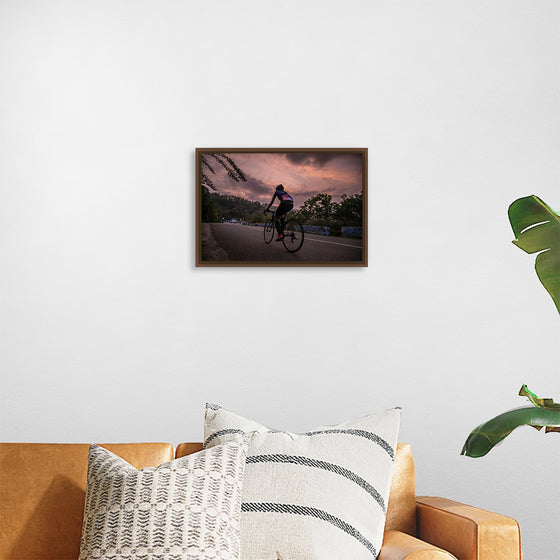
293, 233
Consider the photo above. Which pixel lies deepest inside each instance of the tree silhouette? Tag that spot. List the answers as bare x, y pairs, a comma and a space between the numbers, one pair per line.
209, 210
318, 207
232, 169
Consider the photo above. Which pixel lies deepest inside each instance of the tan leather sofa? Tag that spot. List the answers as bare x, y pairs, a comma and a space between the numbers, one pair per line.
42, 491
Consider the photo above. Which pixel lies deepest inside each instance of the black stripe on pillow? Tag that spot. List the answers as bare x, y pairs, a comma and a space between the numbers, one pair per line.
315, 463
360, 433
312, 512
221, 433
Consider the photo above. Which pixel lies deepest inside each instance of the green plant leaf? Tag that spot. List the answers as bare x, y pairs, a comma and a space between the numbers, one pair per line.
484, 437
536, 227
542, 403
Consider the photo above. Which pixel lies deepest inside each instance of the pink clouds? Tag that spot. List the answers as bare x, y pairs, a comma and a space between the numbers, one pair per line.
303, 174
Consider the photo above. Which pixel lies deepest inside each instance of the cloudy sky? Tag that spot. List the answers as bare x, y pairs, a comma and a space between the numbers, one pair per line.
303, 175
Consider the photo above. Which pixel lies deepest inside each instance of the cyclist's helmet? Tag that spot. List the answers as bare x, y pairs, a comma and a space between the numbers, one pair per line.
280, 187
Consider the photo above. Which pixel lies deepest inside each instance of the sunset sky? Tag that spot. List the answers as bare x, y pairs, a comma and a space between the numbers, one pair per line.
303, 175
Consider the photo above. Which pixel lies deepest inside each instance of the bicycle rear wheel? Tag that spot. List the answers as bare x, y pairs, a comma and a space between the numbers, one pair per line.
268, 231
293, 235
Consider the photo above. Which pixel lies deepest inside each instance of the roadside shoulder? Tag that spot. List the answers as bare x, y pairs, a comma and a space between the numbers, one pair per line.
209, 247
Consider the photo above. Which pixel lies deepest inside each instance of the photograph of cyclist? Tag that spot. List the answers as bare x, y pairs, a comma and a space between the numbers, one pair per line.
317, 214
286, 203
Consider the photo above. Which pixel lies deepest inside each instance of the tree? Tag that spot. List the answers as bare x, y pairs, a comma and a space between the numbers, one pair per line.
349, 211
229, 207
232, 169
318, 208
208, 208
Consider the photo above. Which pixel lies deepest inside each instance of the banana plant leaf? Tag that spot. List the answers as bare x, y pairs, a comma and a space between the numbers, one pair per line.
542, 403
536, 227
544, 413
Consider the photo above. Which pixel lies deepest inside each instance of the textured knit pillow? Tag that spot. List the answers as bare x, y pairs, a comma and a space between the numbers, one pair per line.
184, 509
316, 496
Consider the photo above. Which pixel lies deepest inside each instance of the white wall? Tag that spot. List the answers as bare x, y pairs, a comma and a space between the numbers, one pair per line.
109, 333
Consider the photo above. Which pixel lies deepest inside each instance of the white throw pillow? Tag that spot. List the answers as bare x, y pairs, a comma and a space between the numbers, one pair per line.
184, 509
320, 495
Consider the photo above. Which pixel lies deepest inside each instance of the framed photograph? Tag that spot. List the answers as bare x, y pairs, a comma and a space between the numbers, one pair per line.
281, 207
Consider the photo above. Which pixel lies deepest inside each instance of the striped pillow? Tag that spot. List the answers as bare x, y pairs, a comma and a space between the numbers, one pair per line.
318, 495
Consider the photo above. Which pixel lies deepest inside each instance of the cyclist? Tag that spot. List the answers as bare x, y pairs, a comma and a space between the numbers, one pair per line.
286, 204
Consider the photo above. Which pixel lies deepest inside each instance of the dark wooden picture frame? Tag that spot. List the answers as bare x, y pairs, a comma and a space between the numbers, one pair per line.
327, 225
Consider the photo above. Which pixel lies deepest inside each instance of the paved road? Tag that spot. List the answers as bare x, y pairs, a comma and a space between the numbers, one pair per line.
235, 242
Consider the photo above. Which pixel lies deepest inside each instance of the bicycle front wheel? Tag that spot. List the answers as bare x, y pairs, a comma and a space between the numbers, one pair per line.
268, 231
293, 235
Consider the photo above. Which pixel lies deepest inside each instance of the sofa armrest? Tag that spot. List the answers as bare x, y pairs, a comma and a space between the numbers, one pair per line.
401, 546
467, 532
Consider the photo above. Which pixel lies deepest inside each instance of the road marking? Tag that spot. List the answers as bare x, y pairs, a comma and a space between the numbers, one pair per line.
332, 243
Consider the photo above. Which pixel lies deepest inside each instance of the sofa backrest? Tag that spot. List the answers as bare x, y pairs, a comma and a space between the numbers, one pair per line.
42, 494
401, 510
